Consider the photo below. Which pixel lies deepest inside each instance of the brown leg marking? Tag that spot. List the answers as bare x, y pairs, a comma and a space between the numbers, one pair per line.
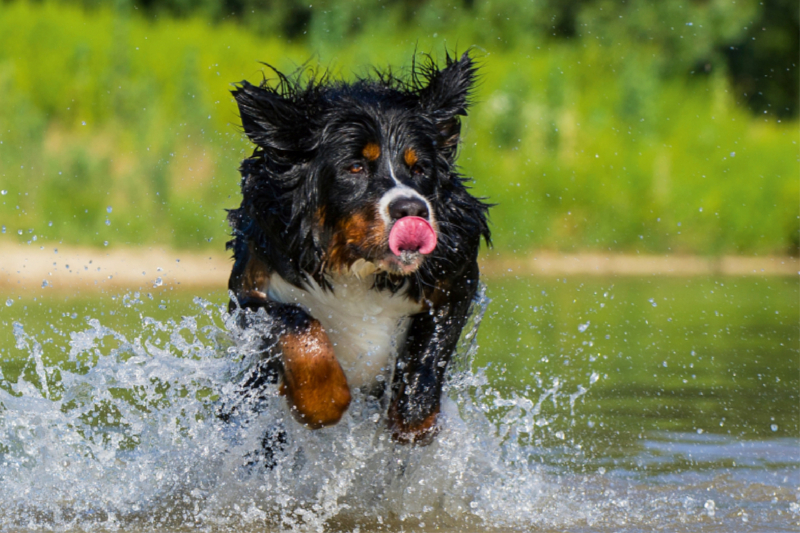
313, 381
405, 433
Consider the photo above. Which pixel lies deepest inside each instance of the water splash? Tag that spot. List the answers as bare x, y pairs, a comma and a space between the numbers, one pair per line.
124, 433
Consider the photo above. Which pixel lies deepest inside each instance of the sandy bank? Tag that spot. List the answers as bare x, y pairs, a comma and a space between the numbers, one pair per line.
58, 267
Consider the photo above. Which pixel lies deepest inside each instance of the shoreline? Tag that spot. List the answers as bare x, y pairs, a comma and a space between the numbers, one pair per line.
51, 266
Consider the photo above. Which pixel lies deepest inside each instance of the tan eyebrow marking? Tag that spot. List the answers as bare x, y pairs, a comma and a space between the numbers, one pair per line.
371, 151
410, 157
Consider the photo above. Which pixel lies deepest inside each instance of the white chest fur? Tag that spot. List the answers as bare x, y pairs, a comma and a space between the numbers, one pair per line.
366, 326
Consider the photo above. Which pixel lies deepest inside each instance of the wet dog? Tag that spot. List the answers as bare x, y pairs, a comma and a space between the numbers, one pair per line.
358, 238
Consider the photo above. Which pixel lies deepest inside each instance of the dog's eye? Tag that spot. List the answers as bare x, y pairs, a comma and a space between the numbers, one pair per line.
418, 170
355, 168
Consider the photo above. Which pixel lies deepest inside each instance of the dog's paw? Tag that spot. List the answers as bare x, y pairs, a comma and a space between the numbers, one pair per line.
419, 433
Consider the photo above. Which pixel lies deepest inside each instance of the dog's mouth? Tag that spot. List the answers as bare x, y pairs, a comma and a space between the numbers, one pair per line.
400, 253
410, 240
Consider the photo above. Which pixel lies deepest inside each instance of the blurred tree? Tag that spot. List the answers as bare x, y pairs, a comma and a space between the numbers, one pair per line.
763, 63
755, 42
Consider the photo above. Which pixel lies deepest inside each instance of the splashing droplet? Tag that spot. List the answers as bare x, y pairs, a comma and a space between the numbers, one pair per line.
711, 508
9, 302
158, 282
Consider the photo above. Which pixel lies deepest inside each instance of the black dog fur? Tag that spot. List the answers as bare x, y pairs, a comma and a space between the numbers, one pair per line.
327, 153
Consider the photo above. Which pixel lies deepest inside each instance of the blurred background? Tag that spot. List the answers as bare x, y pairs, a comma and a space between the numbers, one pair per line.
645, 299
665, 127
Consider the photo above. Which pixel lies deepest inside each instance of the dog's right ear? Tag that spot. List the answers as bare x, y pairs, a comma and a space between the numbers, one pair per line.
272, 121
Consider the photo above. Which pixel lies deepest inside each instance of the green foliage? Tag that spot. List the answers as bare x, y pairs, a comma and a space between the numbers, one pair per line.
754, 42
592, 143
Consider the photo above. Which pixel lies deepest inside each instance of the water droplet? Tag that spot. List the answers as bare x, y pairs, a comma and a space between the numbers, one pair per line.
83, 123
108, 222
9, 302
45, 283
774, 427
108, 209
733, 154
50, 224
158, 282
711, 507
3, 230
584, 327
4, 192
105, 243
653, 302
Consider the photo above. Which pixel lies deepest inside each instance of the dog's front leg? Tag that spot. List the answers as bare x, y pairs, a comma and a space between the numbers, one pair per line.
312, 379
420, 372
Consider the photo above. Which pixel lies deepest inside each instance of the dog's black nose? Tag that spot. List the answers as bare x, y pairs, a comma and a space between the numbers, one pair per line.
408, 207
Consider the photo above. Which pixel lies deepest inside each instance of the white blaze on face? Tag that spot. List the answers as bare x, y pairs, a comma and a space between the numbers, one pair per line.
400, 190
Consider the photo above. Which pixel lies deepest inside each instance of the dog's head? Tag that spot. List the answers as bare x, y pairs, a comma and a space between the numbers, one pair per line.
359, 178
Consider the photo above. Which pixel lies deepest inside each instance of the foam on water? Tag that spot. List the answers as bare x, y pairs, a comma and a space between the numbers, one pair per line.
125, 434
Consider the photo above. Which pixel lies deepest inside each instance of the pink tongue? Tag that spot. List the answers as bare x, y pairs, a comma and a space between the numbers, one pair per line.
412, 234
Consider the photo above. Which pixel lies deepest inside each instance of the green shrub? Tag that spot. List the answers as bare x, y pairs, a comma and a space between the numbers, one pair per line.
589, 146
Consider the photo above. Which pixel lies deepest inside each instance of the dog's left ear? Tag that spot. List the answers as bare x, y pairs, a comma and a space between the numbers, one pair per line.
446, 98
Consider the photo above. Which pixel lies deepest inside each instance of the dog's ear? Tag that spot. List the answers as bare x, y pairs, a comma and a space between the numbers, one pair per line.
272, 121
447, 96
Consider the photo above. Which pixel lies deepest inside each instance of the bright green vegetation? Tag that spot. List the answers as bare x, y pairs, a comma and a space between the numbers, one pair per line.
592, 143
716, 356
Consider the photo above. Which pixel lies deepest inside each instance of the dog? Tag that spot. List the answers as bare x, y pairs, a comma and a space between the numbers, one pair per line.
358, 238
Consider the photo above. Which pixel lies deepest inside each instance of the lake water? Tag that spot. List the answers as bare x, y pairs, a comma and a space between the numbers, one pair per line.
585, 404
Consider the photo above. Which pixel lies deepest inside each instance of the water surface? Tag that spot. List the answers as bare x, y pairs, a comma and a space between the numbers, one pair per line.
587, 404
